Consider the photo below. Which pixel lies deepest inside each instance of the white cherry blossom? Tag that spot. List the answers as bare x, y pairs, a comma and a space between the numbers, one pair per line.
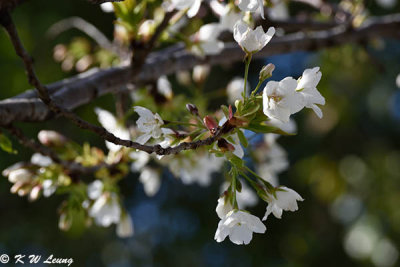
20, 176
111, 124
193, 6
95, 189
252, 6
149, 124
251, 40
206, 40
194, 168
150, 178
49, 187
106, 210
41, 160
307, 86
234, 89
125, 226
280, 99
286, 199
164, 87
223, 207
107, 7
239, 226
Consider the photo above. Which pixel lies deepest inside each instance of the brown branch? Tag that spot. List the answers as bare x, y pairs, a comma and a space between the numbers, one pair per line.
73, 168
102, 132
83, 88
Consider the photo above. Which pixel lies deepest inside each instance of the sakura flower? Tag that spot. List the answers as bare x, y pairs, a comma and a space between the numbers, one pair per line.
125, 226
150, 179
206, 41
228, 18
307, 86
239, 226
41, 160
239, 152
251, 41
194, 168
149, 124
140, 159
106, 210
107, 7
235, 89
286, 199
95, 189
19, 176
280, 99
252, 6
223, 207
111, 124
193, 6
164, 87
49, 187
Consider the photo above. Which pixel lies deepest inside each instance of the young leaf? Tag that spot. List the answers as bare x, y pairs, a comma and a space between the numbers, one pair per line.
6, 145
242, 138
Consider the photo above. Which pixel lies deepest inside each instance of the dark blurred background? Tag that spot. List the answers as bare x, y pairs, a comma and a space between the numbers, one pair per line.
346, 166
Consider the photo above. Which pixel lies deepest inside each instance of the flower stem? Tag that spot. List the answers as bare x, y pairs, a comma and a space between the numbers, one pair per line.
256, 89
246, 74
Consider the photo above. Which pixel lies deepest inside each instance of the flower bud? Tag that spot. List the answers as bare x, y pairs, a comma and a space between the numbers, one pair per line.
225, 146
211, 124
192, 109
146, 29
51, 138
200, 73
35, 193
65, 222
19, 175
266, 71
183, 78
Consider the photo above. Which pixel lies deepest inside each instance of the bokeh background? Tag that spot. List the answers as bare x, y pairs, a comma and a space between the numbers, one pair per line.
346, 166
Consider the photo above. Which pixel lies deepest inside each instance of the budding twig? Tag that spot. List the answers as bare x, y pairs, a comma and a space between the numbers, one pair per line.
43, 93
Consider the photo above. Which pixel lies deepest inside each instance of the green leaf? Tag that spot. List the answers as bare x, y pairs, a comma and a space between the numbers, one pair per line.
242, 138
225, 109
236, 161
6, 144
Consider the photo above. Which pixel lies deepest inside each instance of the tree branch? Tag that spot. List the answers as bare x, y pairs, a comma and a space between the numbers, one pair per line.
83, 88
73, 168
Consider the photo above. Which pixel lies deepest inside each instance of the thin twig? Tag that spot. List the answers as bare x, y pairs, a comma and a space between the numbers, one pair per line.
45, 97
84, 26
70, 166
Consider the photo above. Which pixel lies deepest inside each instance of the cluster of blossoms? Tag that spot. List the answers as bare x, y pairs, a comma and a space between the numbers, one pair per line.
263, 111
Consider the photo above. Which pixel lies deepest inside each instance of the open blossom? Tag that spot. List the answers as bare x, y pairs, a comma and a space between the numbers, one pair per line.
125, 226
95, 189
239, 226
206, 40
111, 124
150, 178
251, 40
252, 6
223, 207
286, 199
234, 89
280, 99
149, 124
193, 6
228, 17
307, 86
49, 187
106, 210
194, 168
